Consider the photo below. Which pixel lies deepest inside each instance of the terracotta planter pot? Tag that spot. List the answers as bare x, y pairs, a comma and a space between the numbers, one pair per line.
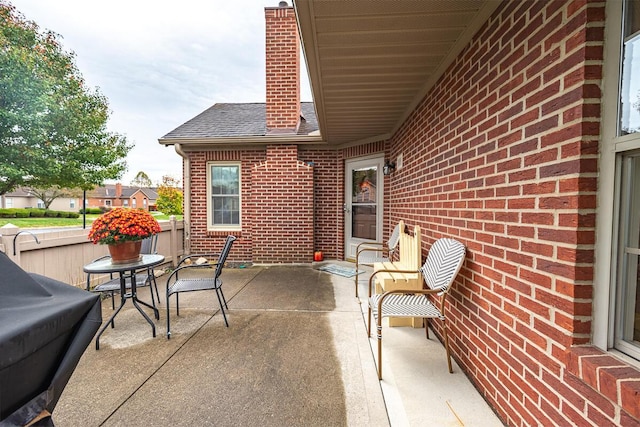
125, 252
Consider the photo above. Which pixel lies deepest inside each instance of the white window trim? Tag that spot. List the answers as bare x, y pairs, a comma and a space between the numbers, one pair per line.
225, 227
604, 291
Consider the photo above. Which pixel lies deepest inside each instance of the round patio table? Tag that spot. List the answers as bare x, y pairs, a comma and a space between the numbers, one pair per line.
104, 265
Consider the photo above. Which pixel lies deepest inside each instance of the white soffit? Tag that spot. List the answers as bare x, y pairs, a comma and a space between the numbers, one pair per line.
370, 62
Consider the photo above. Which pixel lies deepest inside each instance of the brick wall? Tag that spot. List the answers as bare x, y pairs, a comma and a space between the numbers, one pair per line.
203, 241
282, 199
282, 70
502, 154
328, 222
328, 198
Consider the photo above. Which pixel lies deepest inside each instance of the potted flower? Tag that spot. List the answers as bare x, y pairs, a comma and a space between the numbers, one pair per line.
123, 229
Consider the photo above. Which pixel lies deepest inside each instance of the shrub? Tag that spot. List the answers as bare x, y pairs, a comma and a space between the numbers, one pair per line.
51, 214
73, 215
36, 213
97, 211
22, 213
7, 213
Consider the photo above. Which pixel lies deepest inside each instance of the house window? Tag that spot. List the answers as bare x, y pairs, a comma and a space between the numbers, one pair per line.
107, 203
144, 203
133, 203
626, 295
40, 204
223, 209
628, 292
8, 202
125, 203
629, 112
72, 203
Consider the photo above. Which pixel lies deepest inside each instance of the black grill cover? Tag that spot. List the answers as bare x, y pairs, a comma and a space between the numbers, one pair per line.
45, 326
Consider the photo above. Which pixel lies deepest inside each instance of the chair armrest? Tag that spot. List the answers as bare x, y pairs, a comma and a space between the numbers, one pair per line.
370, 244
89, 274
176, 271
367, 249
384, 270
413, 291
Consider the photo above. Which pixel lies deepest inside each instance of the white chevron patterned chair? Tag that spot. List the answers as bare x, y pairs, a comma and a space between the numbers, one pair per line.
369, 253
440, 269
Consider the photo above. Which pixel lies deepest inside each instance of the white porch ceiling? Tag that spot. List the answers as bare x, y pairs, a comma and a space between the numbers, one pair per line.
371, 62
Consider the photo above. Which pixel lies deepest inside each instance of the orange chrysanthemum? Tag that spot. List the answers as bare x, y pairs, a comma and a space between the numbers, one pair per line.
122, 224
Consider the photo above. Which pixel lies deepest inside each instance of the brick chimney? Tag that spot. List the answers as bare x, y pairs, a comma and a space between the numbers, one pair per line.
118, 189
283, 69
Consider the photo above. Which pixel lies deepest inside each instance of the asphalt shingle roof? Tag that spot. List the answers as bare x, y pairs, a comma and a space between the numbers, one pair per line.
237, 120
109, 192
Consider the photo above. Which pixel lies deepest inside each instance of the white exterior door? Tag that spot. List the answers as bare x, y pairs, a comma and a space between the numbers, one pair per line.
363, 203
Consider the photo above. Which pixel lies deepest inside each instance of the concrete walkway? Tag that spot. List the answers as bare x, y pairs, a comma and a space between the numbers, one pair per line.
115, 385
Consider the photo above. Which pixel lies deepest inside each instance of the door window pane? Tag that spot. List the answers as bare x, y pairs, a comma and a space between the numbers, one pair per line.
364, 185
363, 203
363, 222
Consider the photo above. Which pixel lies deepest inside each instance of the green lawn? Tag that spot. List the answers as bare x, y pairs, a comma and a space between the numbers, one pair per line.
62, 222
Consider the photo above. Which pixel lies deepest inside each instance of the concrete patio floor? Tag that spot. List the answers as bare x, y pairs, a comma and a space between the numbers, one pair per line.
114, 385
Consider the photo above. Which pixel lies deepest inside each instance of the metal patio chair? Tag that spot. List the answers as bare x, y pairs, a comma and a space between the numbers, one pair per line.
373, 252
143, 277
211, 282
440, 269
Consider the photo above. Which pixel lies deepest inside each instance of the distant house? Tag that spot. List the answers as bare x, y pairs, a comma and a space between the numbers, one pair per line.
118, 195
23, 198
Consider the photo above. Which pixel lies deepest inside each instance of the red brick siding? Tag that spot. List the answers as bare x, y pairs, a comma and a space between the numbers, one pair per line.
282, 69
502, 154
328, 194
282, 199
203, 241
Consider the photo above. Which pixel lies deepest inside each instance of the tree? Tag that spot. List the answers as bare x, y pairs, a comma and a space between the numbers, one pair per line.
141, 180
52, 127
169, 197
48, 195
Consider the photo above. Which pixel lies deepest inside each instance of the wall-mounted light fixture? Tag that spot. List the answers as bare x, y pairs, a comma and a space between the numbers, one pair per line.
388, 167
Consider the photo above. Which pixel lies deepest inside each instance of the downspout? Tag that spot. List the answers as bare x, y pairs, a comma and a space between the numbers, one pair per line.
186, 197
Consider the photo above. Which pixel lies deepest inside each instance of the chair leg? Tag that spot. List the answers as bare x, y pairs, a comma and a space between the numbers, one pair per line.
177, 304
379, 326
153, 300
168, 319
426, 326
155, 285
151, 276
369, 320
113, 307
224, 315
224, 299
357, 276
446, 345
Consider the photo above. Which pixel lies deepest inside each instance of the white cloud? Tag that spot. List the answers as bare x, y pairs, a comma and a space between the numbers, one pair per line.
160, 63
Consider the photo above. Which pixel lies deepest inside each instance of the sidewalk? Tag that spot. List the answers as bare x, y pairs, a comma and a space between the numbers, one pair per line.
416, 384
120, 384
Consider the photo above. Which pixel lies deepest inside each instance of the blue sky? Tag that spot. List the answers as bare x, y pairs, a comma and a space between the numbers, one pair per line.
160, 63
